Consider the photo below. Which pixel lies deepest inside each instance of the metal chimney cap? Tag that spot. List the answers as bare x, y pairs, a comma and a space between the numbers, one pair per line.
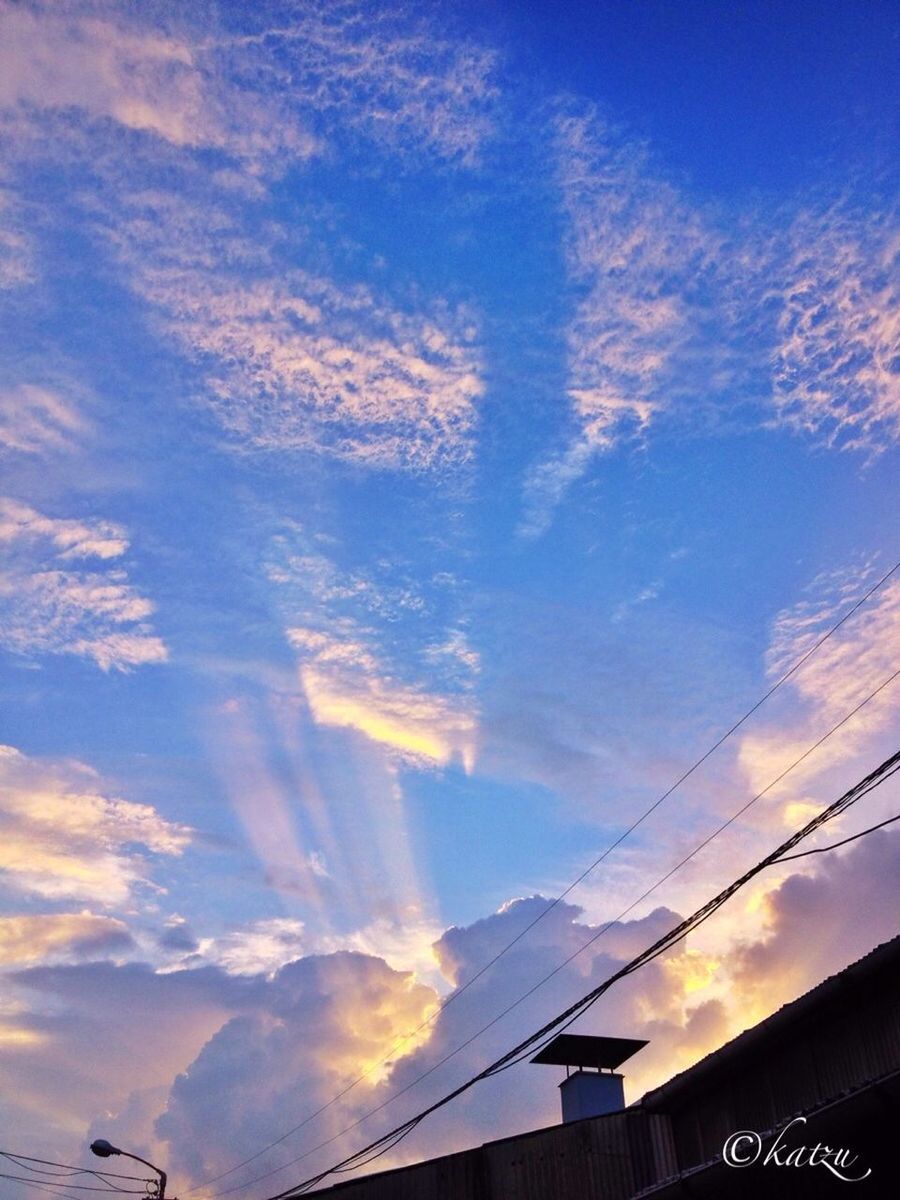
579, 1050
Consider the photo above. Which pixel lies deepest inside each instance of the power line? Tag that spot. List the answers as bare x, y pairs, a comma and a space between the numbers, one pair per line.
79, 1187
557, 900
55, 1178
50, 1191
381, 1145
22, 1160
844, 842
697, 849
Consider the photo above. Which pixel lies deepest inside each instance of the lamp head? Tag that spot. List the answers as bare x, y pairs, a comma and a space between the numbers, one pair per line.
103, 1149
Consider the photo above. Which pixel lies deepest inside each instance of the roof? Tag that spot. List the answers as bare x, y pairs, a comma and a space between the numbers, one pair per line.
883, 960
579, 1050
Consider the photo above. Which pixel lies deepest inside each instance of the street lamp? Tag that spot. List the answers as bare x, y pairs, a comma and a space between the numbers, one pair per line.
103, 1149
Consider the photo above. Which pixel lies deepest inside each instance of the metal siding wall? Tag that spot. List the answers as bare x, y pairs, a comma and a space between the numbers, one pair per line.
584, 1159
853, 1037
607, 1158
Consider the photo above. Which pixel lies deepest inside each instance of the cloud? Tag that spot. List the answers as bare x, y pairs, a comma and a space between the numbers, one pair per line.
273, 1078
29, 939
637, 255
262, 947
837, 359
346, 687
63, 837
72, 539
227, 1060
838, 677
811, 930
264, 95
63, 58
324, 1019
378, 653
38, 420
17, 250
296, 364
151, 1027
397, 78
52, 609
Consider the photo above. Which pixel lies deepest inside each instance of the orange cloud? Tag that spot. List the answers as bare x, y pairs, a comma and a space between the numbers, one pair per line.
346, 687
61, 837
32, 938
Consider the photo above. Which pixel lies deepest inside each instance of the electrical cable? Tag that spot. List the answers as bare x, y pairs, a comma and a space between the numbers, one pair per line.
593, 939
375, 1149
560, 966
22, 1160
557, 900
844, 842
79, 1187
49, 1190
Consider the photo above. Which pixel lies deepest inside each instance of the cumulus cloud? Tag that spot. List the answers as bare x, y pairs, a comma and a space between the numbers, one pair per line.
32, 938
809, 928
38, 420
65, 837
837, 358
227, 1059
50, 608
152, 1027
265, 1073
324, 1019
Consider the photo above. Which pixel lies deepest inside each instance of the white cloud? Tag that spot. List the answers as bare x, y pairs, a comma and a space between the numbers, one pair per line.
636, 253
63, 837
261, 947
98, 63
296, 364
275, 1077
264, 97
52, 609
38, 420
72, 539
321, 1021
17, 252
837, 361
838, 677
396, 78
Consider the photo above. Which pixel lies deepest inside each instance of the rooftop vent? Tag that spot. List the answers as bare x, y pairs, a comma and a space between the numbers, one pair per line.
591, 1087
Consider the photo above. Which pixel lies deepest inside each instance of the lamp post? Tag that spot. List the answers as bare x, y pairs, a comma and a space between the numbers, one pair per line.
103, 1149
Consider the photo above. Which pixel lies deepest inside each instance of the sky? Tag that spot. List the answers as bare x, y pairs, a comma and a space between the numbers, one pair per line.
425, 430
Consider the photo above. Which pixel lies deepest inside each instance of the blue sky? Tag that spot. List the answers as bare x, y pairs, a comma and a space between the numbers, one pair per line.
424, 431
